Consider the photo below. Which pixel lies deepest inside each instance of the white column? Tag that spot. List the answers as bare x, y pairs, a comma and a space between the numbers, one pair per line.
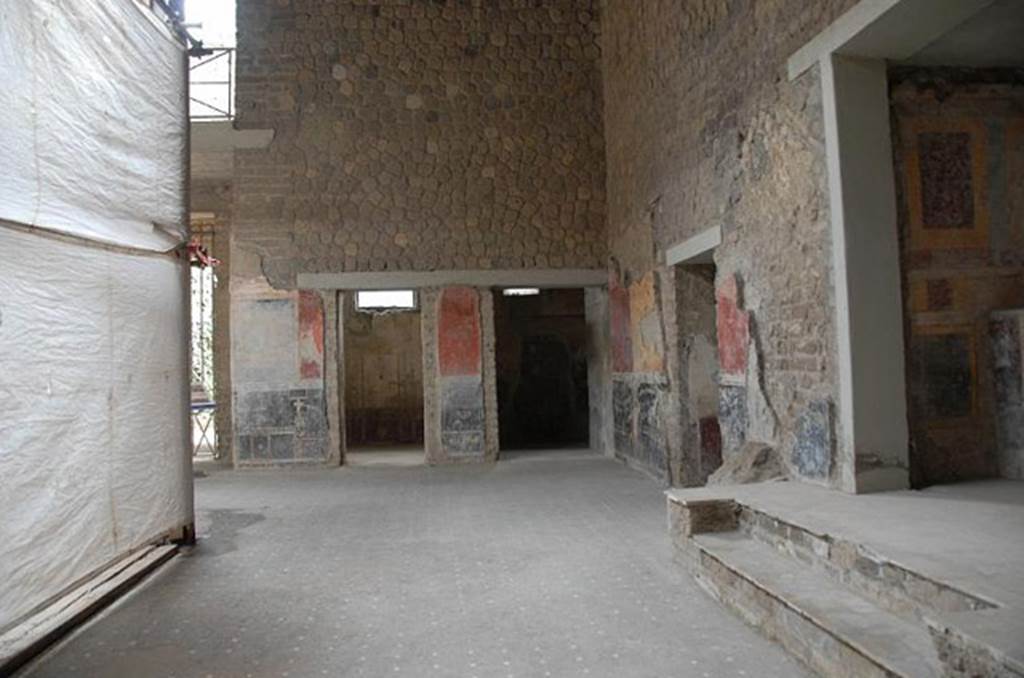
872, 408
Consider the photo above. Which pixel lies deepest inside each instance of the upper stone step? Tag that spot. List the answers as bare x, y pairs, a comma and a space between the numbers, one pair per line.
828, 626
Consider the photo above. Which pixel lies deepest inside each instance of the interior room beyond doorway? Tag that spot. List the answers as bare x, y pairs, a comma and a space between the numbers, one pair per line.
383, 378
541, 359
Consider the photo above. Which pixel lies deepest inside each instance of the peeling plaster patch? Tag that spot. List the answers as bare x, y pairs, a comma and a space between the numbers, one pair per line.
646, 330
733, 326
815, 441
762, 423
459, 332
621, 327
281, 426
710, 444
732, 408
1006, 333
311, 335
622, 415
702, 376
651, 442
462, 416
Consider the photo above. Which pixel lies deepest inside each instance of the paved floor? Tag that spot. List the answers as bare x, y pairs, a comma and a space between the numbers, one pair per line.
539, 566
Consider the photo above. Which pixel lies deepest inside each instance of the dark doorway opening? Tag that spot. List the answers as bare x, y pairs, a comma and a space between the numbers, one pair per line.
541, 358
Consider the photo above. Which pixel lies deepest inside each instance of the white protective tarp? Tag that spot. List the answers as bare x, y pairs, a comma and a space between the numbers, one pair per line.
94, 457
93, 123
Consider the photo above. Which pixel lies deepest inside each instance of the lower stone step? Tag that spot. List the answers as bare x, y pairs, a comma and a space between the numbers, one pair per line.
828, 627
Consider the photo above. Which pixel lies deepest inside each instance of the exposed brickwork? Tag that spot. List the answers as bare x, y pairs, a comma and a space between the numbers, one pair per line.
418, 135
703, 128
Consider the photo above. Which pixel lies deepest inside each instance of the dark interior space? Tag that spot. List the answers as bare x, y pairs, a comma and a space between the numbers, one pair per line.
383, 377
542, 369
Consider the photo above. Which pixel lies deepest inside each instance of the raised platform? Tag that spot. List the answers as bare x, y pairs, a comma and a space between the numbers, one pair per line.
907, 583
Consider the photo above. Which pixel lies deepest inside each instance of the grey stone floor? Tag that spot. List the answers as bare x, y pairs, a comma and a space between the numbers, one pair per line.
544, 565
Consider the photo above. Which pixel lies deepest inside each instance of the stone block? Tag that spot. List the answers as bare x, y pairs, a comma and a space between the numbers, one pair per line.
755, 463
691, 517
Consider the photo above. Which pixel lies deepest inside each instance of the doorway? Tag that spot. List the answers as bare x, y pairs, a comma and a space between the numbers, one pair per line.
696, 313
541, 364
203, 389
383, 378
959, 221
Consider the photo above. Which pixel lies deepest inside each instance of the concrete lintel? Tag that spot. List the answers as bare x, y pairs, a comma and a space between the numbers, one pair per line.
391, 280
885, 29
220, 136
695, 250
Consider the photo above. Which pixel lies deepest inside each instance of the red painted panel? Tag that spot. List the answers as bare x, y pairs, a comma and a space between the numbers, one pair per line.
311, 335
621, 330
733, 329
710, 445
459, 332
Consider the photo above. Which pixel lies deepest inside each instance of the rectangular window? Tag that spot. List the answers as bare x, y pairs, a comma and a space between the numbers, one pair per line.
521, 292
384, 300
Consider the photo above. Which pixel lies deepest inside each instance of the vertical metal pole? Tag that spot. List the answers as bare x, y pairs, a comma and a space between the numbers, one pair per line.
231, 84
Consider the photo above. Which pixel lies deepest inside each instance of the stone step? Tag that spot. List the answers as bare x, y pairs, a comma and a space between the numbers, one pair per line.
824, 624
905, 592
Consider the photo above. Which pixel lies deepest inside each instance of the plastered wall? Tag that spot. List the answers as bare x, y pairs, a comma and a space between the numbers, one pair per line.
278, 371
460, 392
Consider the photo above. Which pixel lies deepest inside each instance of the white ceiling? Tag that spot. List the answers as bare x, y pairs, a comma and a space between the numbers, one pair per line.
994, 37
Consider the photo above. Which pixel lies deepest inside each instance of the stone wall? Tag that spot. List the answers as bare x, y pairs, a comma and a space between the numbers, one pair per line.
420, 135
703, 129
959, 152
